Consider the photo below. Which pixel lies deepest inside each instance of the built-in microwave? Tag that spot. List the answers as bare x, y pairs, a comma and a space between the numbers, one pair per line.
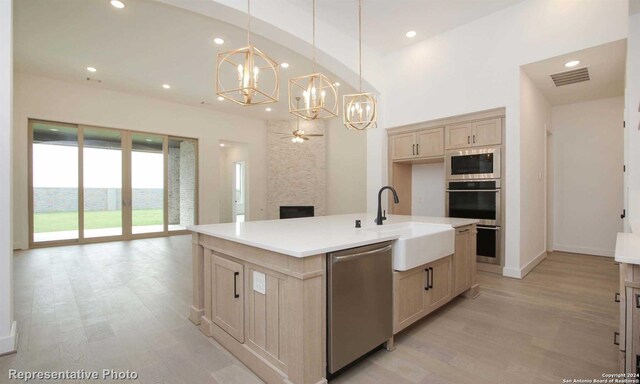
476, 163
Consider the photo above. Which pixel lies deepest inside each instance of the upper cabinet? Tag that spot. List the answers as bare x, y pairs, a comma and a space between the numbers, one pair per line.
473, 134
417, 145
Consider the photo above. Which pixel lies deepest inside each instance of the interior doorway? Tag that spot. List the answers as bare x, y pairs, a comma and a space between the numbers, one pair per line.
234, 184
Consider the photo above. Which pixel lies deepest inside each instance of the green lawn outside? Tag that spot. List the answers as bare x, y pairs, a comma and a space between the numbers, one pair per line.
68, 221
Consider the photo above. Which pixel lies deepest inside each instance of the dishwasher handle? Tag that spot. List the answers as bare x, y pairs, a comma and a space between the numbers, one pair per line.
337, 259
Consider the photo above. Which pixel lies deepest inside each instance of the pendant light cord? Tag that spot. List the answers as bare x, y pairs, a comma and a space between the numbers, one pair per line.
314, 35
360, 40
248, 22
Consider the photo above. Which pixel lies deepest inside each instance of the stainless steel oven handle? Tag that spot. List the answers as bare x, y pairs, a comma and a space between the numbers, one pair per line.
472, 190
489, 228
337, 259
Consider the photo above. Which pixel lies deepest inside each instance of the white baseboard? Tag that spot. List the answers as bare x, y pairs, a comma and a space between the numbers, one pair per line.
584, 250
520, 273
9, 344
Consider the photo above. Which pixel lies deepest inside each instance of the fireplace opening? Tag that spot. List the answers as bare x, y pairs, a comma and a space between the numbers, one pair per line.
293, 211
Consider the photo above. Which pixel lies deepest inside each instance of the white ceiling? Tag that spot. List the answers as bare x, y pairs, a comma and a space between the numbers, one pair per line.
606, 65
139, 48
385, 22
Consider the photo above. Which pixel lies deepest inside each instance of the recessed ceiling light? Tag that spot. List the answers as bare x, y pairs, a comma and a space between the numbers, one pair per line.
268, 109
222, 144
91, 69
220, 98
411, 34
336, 84
284, 65
53, 129
572, 63
218, 41
166, 86
117, 3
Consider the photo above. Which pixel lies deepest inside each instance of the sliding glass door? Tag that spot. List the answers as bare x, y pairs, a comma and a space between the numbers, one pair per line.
95, 184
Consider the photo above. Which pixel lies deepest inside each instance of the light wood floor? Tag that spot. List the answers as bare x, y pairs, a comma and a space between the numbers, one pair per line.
123, 306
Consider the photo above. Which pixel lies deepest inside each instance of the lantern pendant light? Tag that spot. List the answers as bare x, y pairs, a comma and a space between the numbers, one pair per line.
360, 109
246, 75
318, 93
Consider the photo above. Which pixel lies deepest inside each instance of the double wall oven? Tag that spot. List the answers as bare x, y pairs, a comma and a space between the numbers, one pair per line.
474, 192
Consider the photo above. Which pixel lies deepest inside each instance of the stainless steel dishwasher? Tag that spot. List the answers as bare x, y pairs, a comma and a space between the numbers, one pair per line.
359, 301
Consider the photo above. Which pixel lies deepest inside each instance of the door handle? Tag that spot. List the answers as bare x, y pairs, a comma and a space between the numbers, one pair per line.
337, 259
426, 287
431, 277
616, 335
235, 285
418, 149
468, 139
474, 139
616, 297
413, 149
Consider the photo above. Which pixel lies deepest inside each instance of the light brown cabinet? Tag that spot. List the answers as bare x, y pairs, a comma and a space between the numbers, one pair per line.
628, 335
461, 263
473, 134
418, 145
420, 291
439, 280
227, 307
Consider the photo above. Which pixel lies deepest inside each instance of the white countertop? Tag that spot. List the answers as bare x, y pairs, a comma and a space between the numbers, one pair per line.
315, 235
628, 248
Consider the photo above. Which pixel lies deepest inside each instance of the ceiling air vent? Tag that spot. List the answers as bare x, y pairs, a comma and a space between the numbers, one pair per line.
571, 77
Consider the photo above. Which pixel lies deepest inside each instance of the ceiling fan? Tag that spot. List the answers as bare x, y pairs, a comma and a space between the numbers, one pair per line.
298, 136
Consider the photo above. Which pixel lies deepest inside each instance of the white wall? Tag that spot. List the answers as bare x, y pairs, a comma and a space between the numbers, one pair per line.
633, 121
477, 67
588, 159
48, 99
427, 189
7, 325
346, 153
535, 116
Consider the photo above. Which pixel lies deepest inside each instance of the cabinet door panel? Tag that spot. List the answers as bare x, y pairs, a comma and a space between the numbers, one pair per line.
457, 136
409, 304
461, 263
227, 295
430, 143
403, 146
487, 132
440, 288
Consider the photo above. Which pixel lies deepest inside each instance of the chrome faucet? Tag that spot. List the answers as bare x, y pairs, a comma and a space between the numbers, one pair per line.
380, 218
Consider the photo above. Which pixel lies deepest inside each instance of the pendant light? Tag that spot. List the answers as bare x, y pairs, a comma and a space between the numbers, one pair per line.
247, 76
360, 109
317, 92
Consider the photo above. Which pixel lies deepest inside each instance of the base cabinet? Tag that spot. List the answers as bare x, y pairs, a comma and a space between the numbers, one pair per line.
420, 291
628, 335
227, 306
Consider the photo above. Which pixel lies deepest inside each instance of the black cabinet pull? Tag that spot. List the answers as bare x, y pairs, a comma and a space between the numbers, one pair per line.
474, 139
426, 288
413, 149
637, 301
431, 277
235, 285
615, 338
468, 139
616, 297
418, 149
624, 214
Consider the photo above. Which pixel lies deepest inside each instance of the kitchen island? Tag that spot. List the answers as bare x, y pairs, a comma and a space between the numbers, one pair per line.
259, 288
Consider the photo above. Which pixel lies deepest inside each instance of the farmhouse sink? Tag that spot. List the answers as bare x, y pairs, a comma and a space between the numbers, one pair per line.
418, 243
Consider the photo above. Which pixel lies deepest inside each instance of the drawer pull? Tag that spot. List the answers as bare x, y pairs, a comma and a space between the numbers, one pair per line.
637, 301
616, 335
616, 298
431, 278
426, 287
